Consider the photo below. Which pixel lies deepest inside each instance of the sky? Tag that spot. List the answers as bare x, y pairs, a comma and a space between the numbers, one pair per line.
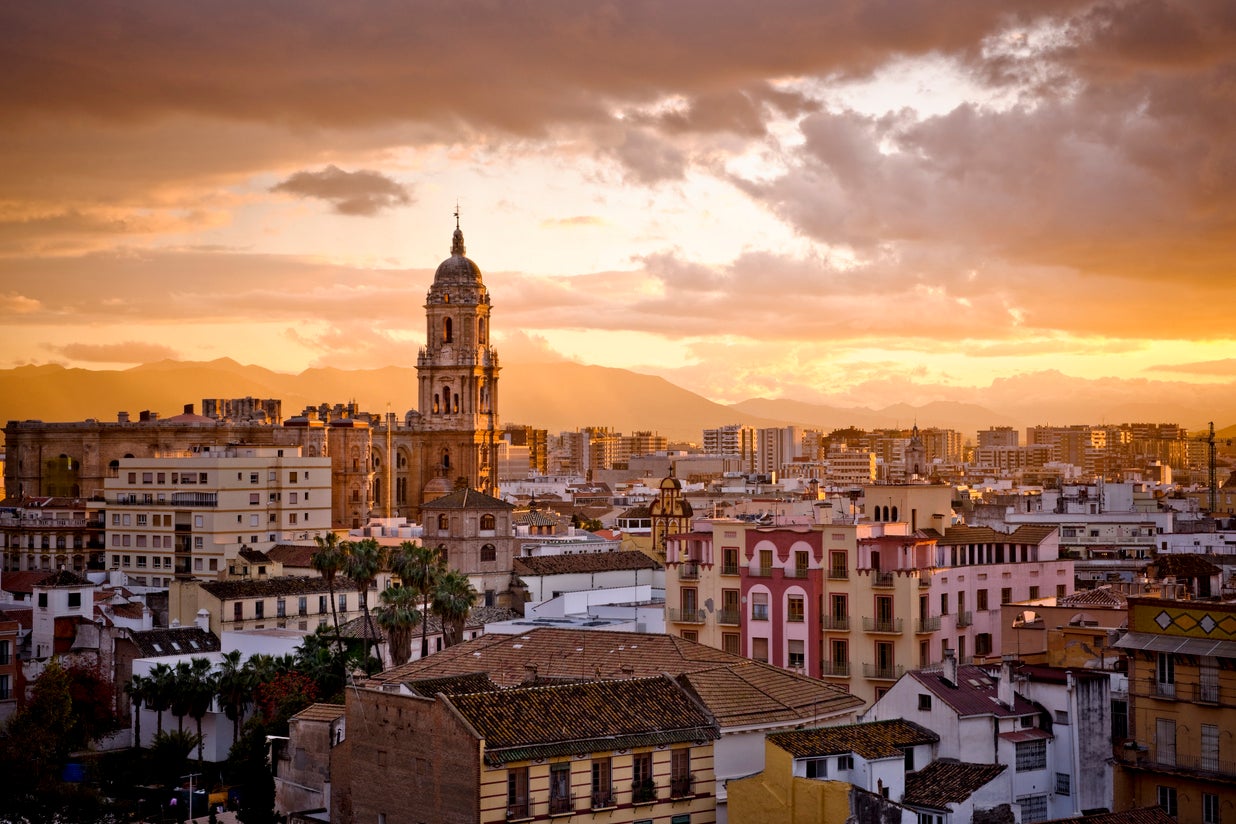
862, 201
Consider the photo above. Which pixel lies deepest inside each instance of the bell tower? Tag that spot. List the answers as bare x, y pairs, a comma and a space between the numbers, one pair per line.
457, 375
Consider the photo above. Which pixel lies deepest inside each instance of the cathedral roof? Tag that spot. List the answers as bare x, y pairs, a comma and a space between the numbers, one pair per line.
467, 499
458, 278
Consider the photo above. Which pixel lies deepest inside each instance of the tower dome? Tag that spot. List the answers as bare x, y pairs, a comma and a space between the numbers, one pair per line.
458, 278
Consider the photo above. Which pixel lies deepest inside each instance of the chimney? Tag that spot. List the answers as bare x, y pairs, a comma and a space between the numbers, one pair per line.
202, 619
1004, 687
950, 667
188, 409
122, 417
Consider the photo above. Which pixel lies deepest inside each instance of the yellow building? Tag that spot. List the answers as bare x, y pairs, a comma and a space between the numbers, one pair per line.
1180, 752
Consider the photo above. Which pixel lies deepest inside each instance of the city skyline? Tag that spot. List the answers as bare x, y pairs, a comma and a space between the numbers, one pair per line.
839, 202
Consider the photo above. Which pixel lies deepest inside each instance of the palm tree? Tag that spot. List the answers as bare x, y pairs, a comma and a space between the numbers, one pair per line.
183, 682
235, 689
398, 616
453, 599
137, 687
420, 567
329, 560
202, 687
366, 559
159, 687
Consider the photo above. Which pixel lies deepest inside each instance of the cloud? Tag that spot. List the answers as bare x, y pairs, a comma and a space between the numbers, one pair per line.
1224, 367
126, 352
18, 304
574, 221
363, 193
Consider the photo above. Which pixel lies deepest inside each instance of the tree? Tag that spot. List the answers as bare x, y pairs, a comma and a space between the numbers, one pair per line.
398, 616
246, 770
202, 687
182, 693
137, 687
453, 599
420, 567
366, 559
235, 689
169, 755
94, 702
329, 560
160, 684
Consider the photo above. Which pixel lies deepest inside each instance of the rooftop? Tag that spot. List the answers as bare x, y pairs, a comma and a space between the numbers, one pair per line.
585, 562
974, 693
870, 739
945, 781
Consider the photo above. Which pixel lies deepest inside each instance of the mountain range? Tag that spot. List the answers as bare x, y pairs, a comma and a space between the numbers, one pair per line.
561, 396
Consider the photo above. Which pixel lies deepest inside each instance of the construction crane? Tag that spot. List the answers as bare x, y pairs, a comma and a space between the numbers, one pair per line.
1211, 462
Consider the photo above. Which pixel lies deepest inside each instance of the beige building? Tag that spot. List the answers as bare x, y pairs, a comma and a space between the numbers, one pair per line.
295, 603
192, 514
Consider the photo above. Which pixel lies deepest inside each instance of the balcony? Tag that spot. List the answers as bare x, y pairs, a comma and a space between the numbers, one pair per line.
561, 804
761, 572
1168, 761
689, 571
891, 626
795, 572
836, 574
965, 618
604, 799
684, 616
644, 792
924, 581
729, 617
882, 580
837, 623
834, 669
518, 811
729, 569
931, 624
885, 673
682, 786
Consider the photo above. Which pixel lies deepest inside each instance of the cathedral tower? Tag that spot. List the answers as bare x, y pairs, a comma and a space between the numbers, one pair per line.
457, 373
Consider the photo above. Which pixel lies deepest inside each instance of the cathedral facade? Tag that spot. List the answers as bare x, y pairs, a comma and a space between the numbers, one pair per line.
381, 465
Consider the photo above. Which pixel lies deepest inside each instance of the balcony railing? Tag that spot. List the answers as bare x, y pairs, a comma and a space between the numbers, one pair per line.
761, 572
796, 572
1155, 759
685, 616
834, 669
644, 792
682, 786
965, 618
1162, 689
882, 580
690, 571
604, 799
931, 624
729, 617
889, 673
835, 574
729, 569
924, 581
873, 625
559, 804
518, 811
838, 623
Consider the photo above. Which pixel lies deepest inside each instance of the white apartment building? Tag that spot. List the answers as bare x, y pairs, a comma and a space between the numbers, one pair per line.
192, 513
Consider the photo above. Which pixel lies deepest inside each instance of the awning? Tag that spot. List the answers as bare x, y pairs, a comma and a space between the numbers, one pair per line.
1174, 643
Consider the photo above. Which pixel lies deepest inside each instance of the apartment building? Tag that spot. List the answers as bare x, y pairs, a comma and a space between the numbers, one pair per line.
191, 514
48, 533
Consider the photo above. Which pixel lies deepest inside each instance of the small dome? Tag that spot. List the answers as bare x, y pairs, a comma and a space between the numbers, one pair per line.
457, 270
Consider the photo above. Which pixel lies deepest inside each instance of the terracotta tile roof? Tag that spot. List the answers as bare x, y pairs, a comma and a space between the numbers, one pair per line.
641, 511
1137, 815
129, 610
152, 643
453, 685
21, 583
292, 555
23, 617
1028, 734
477, 618
530, 722
1024, 534
253, 556
584, 562
537, 518
1103, 597
268, 587
321, 712
945, 781
467, 499
1184, 566
871, 739
749, 693
64, 578
974, 693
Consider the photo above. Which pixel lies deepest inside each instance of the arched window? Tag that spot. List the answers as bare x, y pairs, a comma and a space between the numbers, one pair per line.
895, 518
446, 398
436, 404
487, 522
448, 332
456, 402
446, 460
480, 331
444, 523
489, 553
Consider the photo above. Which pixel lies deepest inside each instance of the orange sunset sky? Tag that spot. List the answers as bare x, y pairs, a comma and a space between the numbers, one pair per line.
843, 201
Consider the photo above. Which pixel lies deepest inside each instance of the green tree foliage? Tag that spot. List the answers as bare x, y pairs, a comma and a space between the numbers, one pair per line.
397, 615
167, 759
366, 559
419, 567
453, 598
282, 697
329, 561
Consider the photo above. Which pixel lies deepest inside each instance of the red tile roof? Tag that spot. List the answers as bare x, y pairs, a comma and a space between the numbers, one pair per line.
945, 781
973, 694
870, 739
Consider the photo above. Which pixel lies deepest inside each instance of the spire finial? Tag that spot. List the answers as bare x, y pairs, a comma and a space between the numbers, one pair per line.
457, 242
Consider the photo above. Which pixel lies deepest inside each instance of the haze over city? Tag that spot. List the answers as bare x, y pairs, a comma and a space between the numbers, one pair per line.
824, 201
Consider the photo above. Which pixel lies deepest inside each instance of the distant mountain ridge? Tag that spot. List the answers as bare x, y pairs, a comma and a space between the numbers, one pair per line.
561, 396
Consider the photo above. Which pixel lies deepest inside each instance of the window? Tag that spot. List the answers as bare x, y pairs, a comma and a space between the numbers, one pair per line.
321, 604
517, 792
817, 768
796, 658
909, 758
944, 603
197, 543
759, 606
1167, 799
924, 701
302, 605
801, 563
6, 690
1061, 590
443, 523
1034, 593
43, 600
5, 652
1210, 747
795, 610
560, 787
731, 643
643, 788
238, 611
253, 477
197, 564
1031, 755
680, 772
141, 520
488, 522
982, 600
281, 608
845, 762
1033, 808
343, 602
1062, 784
1210, 808
602, 784
729, 561
259, 609
489, 552
255, 498
837, 566
1120, 720
1165, 674
1006, 595
759, 649
930, 818
982, 643
75, 599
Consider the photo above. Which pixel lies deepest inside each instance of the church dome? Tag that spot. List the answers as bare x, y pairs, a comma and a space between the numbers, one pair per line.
457, 271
